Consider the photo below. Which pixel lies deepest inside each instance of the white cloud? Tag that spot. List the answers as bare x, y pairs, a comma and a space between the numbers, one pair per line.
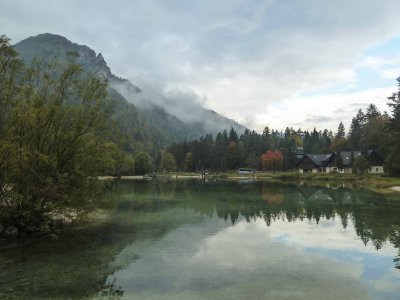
386, 66
330, 236
334, 107
248, 57
230, 260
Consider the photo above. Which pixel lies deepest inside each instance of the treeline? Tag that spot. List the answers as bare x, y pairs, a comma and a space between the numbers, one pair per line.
369, 129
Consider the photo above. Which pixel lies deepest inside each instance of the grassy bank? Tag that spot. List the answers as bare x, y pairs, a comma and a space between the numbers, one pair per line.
380, 183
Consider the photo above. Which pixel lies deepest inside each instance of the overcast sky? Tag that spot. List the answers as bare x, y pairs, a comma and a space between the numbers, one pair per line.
277, 63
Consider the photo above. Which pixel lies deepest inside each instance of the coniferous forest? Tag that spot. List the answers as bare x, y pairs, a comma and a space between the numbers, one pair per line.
369, 129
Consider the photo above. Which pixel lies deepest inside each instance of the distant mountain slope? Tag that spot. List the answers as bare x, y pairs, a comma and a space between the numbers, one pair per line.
152, 121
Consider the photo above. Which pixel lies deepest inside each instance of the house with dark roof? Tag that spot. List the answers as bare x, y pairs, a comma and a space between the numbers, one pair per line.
325, 163
375, 160
347, 158
316, 163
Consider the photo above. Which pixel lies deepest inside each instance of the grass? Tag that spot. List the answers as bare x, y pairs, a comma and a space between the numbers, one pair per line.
377, 182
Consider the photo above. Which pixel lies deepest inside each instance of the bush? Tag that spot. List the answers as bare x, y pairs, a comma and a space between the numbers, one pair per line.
143, 163
360, 165
53, 130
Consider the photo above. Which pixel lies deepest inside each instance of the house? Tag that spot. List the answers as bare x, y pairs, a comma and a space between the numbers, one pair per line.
325, 163
317, 163
347, 160
375, 160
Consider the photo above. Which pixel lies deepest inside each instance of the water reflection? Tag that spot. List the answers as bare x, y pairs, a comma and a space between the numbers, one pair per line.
207, 240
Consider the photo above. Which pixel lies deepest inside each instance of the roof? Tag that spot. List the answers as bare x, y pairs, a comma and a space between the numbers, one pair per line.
320, 159
346, 157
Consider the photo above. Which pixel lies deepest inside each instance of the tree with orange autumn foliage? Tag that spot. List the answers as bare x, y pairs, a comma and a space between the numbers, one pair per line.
272, 161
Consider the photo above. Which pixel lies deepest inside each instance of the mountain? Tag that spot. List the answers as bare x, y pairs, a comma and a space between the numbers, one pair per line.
152, 120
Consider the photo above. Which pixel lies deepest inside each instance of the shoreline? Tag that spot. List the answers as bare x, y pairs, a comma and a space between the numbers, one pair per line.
378, 183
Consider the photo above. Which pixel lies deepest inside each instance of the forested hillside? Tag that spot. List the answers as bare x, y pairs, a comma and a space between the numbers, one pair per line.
149, 127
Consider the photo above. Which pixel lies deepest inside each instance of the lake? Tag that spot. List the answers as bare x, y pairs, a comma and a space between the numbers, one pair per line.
191, 239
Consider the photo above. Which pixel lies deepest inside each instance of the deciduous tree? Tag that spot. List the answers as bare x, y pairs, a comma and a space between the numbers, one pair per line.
143, 163
272, 161
54, 142
167, 162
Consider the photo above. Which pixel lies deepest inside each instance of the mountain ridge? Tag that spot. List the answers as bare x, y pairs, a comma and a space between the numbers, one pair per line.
157, 110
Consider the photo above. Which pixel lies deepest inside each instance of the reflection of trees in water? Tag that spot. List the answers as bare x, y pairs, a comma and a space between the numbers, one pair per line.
395, 240
272, 194
74, 267
78, 265
375, 217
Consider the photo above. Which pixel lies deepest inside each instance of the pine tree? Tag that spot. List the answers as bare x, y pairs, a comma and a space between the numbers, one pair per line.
372, 112
338, 161
220, 152
340, 132
360, 117
355, 134
233, 137
339, 142
392, 163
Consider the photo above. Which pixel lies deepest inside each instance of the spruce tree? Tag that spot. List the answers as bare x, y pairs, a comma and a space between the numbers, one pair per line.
392, 163
340, 132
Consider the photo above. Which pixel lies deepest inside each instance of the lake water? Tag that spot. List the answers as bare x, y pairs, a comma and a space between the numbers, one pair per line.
218, 240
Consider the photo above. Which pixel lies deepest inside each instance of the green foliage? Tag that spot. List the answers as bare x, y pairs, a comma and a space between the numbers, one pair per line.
54, 143
188, 161
392, 163
124, 163
355, 133
252, 162
338, 161
317, 141
143, 163
288, 149
231, 155
360, 164
167, 162
340, 132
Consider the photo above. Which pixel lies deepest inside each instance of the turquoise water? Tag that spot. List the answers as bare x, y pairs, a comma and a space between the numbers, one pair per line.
218, 240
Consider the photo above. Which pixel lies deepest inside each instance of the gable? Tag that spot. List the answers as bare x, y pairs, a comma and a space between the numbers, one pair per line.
307, 163
374, 158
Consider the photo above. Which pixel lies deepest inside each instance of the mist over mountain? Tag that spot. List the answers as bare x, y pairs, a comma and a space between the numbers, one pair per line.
183, 104
174, 116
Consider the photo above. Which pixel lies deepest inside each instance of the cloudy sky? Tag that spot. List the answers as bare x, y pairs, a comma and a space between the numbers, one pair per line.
278, 63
